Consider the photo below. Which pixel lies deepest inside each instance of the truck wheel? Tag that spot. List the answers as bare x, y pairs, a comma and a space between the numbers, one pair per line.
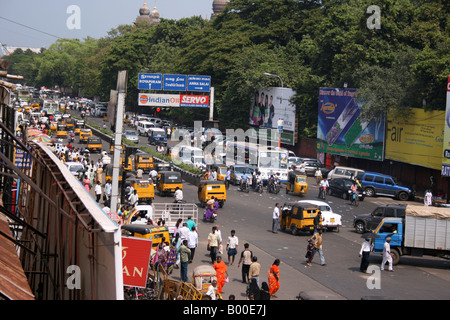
403, 196
395, 256
360, 227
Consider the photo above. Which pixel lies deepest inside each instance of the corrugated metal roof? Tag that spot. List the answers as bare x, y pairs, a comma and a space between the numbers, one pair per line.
13, 282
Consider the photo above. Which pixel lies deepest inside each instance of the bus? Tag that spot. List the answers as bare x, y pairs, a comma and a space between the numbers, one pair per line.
268, 159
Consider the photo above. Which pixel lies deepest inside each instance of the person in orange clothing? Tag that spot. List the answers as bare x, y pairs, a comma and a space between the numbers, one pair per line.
274, 277
221, 272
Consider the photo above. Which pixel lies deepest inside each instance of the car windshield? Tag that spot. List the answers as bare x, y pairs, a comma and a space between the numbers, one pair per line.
130, 133
241, 169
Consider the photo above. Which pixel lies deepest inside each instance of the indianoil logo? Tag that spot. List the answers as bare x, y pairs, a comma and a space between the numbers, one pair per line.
367, 138
328, 107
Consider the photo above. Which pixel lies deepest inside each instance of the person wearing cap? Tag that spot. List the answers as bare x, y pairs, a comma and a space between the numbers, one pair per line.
387, 257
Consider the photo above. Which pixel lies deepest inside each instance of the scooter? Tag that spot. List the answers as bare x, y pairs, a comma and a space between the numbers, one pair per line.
210, 215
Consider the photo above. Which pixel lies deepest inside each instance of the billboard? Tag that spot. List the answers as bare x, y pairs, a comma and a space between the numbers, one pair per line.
342, 131
271, 104
445, 171
173, 100
416, 138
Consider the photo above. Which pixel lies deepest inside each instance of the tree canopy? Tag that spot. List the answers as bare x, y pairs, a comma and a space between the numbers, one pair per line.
309, 44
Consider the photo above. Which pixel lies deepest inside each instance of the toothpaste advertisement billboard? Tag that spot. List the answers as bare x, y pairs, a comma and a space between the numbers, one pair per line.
342, 131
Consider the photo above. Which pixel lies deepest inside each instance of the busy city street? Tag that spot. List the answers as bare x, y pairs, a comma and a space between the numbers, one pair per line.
250, 215
230, 150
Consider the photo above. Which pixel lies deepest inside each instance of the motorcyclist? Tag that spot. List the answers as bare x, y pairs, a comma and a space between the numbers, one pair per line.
323, 184
243, 179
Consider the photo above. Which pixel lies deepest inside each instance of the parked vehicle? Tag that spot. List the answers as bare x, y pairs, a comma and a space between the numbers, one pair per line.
377, 184
368, 222
423, 231
345, 172
339, 187
153, 232
330, 220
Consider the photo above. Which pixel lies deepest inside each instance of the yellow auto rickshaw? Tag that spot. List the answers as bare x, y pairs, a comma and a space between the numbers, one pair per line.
61, 131
221, 172
70, 122
210, 188
153, 232
143, 161
202, 277
298, 217
296, 183
85, 134
168, 181
144, 189
129, 164
54, 126
78, 126
94, 144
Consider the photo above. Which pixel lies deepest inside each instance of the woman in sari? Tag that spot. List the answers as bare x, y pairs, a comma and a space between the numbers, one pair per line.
274, 277
221, 273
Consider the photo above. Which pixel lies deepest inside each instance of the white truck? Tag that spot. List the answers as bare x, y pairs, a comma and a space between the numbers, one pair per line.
423, 231
169, 212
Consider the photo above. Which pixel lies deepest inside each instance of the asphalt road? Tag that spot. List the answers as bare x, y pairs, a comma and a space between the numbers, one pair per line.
250, 214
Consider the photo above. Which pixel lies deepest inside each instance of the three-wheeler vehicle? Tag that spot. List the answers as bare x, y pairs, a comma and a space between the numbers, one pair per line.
168, 181
210, 188
296, 183
298, 217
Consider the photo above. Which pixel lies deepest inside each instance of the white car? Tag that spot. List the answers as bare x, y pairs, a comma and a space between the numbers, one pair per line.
330, 220
76, 168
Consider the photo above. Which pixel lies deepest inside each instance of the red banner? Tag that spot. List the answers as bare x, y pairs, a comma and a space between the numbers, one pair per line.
136, 254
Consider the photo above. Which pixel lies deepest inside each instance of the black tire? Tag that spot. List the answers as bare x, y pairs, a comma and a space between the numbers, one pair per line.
360, 227
403, 196
395, 256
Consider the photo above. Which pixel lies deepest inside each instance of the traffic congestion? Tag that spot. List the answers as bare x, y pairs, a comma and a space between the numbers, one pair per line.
272, 200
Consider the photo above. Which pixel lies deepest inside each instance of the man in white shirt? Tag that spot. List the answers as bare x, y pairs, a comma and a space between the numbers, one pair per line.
275, 217
192, 242
134, 198
387, 257
184, 232
232, 246
211, 293
178, 195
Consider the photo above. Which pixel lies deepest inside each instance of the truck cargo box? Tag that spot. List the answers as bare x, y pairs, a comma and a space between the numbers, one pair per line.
427, 227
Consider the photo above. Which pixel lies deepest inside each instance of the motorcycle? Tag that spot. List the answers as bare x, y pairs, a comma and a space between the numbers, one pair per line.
245, 185
323, 192
274, 187
210, 215
259, 186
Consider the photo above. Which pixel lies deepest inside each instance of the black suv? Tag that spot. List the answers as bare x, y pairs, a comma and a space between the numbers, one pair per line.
368, 222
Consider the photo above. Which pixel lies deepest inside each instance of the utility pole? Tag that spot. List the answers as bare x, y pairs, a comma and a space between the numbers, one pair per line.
121, 92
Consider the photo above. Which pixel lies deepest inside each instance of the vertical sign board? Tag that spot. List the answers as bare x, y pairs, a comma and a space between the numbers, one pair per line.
136, 254
445, 172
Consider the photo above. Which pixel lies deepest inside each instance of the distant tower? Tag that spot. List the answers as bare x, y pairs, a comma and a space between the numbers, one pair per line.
218, 6
154, 16
144, 14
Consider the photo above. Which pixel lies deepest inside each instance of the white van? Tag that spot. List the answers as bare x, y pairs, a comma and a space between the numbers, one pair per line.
144, 126
344, 172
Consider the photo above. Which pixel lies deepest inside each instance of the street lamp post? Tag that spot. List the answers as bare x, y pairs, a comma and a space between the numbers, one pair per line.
280, 121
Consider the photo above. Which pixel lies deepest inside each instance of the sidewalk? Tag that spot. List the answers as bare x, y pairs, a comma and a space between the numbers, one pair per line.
292, 282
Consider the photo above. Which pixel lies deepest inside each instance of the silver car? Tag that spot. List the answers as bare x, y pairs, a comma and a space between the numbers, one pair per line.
131, 135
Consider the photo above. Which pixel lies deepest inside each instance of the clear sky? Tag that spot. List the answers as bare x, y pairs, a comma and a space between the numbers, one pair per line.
97, 17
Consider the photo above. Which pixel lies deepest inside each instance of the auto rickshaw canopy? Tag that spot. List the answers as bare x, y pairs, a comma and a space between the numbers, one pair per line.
170, 177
